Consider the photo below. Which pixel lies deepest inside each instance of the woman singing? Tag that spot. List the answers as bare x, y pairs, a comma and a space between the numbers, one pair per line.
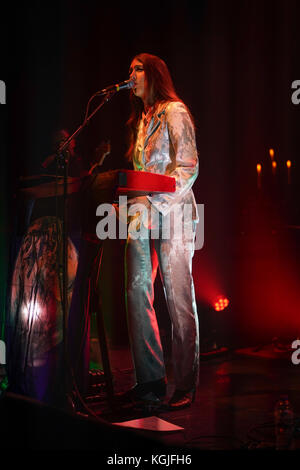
162, 140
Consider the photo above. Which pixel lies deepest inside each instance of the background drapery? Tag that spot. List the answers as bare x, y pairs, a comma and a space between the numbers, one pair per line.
233, 64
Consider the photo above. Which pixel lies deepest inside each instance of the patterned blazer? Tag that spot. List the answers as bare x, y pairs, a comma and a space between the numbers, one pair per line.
166, 145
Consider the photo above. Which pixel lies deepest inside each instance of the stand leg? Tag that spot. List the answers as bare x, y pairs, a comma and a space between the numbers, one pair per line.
101, 334
105, 356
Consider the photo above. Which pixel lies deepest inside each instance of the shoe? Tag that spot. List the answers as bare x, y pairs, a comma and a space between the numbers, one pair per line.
181, 399
149, 392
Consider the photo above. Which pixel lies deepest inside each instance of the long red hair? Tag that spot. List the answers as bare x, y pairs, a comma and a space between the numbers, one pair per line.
160, 88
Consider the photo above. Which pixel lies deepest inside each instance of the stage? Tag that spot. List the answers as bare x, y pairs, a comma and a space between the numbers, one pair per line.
233, 410
235, 66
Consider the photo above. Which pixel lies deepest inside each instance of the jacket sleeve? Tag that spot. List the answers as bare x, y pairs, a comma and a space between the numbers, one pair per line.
183, 154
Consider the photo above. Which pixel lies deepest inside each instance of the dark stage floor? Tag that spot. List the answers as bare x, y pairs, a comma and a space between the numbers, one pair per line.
233, 410
234, 405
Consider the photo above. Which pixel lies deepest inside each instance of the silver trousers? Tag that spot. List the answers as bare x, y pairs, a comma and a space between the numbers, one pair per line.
173, 258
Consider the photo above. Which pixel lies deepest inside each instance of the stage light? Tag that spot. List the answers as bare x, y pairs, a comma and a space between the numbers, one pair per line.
31, 311
221, 304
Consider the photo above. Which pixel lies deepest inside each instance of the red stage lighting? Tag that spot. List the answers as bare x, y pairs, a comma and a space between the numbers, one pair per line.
221, 304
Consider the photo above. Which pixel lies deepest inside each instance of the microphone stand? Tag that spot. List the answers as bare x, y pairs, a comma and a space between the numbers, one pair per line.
61, 156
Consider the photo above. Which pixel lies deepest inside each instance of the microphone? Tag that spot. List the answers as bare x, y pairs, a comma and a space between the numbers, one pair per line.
119, 86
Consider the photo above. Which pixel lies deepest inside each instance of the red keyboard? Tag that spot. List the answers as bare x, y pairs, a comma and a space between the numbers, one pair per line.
132, 182
115, 182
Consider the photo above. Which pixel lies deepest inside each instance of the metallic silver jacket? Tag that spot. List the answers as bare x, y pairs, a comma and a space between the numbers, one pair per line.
167, 146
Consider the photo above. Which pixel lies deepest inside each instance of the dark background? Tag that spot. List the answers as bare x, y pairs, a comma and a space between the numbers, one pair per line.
233, 63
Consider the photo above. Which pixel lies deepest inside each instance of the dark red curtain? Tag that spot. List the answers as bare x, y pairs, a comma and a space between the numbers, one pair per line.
233, 63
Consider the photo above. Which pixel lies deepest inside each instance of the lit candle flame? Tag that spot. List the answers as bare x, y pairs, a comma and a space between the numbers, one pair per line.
289, 164
258, 169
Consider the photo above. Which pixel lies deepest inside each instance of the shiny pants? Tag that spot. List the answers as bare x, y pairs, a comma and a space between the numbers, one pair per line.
173, 258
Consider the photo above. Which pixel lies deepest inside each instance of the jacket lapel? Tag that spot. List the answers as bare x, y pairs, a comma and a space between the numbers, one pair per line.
156, 123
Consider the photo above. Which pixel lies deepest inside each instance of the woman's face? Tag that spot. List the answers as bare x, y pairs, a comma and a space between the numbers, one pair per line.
137, 74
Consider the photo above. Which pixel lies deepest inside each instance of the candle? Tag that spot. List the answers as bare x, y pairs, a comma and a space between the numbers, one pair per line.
258, 169
274, 166
271, 153
289, 164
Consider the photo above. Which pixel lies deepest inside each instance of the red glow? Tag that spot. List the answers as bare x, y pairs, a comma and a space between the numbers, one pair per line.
267, 280
221, 304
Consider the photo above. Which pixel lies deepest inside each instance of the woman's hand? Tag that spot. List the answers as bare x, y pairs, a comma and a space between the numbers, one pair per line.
140, 200
141, 213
